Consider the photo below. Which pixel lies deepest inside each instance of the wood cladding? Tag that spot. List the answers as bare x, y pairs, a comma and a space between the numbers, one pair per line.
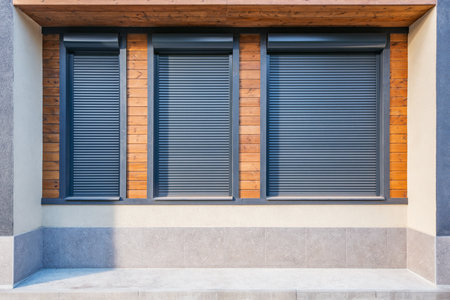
225, 2
398, 115
225, 13
50, 116
249, 115
137, 115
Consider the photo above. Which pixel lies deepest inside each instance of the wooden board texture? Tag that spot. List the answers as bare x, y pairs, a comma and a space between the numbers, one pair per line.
398, 115
225, 13
249, 117
137, 115
50, 116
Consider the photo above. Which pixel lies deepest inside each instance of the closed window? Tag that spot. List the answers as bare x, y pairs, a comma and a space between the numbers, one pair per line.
193, 117
93, 113
323, 122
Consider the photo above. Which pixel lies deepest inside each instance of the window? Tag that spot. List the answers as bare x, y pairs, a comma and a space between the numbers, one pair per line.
94, 118
324, 117
193, 117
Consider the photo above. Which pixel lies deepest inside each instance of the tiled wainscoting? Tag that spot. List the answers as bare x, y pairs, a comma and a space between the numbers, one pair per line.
20, 256
225, 247
421, 251
428, 256
443, 260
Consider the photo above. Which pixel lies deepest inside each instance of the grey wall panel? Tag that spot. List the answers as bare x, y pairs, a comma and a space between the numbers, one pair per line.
95, 124
225, 247
322, 125
6, 117
193, 126
443, 120
28, 253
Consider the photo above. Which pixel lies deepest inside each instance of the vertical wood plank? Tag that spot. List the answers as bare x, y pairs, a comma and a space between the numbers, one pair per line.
50, 116
398, 115
249, 119
137, 115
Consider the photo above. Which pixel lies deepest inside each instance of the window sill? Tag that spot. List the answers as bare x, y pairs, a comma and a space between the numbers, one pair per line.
76, 198
221, 201
326, 198
197, 199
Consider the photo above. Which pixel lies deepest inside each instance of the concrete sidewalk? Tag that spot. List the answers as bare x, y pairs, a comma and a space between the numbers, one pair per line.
131, 284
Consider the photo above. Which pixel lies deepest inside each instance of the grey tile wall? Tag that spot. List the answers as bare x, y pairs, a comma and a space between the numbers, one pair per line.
421, 254
326, 242
28, 254
443, 260
80, 247
225, 247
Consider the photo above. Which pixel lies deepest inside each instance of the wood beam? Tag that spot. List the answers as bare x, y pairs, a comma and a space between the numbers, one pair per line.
225, 13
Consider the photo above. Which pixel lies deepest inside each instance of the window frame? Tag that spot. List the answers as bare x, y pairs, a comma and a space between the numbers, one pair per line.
202, 45
383, 108
92, 43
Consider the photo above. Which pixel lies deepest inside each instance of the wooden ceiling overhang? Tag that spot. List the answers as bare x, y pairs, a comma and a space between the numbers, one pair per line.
225, 13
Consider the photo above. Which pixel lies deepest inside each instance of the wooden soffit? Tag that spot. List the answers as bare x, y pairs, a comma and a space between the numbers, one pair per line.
225, 13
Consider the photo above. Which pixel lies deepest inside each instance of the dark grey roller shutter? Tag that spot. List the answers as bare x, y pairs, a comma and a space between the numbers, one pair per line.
322, 125
193, 126
95, 155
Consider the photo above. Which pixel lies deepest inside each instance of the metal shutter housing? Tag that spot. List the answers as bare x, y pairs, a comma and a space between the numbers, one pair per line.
322, 136
193, 140
95, 137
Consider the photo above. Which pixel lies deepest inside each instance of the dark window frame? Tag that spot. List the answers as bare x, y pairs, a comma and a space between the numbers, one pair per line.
98, 44
203, 44
334, 42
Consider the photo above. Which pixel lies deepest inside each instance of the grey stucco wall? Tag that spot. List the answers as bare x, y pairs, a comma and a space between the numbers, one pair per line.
6, 118
443, 119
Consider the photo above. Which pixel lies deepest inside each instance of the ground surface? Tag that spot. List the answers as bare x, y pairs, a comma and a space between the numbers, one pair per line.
130, 284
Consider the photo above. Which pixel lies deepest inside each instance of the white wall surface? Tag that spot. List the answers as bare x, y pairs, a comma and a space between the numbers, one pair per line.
422, 124
225, 216
27, 124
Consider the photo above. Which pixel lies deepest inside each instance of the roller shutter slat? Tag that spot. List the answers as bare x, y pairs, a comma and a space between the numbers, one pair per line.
95, 126
322, 125
193, 125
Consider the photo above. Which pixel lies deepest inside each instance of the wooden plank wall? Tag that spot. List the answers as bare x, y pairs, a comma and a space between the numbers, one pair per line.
249, 115
137, 116
398, 115
249, 119
50, 118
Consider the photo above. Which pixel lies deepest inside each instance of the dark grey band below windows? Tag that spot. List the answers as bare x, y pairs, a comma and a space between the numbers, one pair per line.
305, 42
236, 201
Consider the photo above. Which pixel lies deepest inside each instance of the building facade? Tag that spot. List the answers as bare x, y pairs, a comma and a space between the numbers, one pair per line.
291, 134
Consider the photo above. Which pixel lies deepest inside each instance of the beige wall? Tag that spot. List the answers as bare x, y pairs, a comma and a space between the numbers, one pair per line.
27, 123
422, 124
225, 216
